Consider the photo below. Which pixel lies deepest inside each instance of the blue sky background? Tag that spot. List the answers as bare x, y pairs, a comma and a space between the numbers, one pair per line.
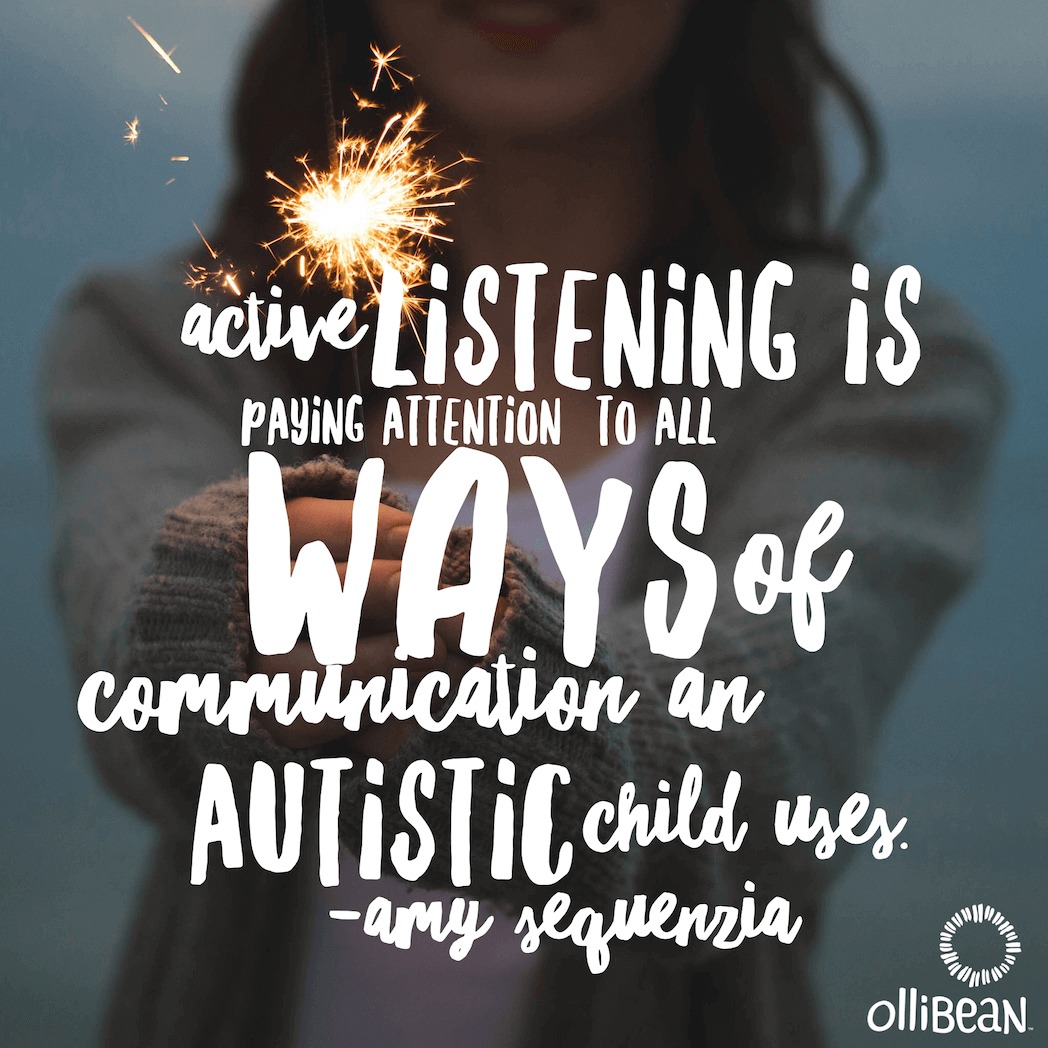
960, 86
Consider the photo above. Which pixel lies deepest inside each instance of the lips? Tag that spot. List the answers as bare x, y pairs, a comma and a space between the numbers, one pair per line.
518, 39
519, 27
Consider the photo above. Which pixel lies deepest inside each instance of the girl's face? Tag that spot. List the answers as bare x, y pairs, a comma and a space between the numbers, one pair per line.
533, 67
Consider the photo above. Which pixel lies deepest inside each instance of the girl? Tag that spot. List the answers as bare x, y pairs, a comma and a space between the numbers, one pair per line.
614, 136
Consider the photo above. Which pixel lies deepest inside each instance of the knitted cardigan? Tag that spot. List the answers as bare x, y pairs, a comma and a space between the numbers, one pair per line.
150, 575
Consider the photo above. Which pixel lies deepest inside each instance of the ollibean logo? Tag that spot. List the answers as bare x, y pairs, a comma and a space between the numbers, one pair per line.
972, 962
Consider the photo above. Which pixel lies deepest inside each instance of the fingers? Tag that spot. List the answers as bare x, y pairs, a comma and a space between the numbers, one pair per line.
331, 521
379, 607
375, 657
300, 734
450, 629
383, 740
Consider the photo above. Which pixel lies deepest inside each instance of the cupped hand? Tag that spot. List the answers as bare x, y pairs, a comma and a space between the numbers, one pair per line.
331, 521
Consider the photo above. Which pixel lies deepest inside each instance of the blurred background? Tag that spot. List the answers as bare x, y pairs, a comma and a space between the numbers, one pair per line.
961, 88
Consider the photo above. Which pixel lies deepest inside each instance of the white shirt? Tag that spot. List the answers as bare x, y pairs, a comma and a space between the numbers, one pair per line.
362, 992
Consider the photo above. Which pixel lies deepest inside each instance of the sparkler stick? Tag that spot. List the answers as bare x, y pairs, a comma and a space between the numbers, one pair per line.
318, 42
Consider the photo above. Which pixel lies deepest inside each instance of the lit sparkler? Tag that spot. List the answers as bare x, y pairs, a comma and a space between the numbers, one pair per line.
374, 209
151, 40
132, 132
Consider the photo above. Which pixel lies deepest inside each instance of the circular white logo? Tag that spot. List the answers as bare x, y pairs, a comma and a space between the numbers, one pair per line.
968, 973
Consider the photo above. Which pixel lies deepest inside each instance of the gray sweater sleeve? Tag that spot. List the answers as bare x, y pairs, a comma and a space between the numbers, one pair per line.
155, 590
136, 427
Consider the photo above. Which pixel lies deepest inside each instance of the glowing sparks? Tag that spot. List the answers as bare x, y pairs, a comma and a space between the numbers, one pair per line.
365, 103
375, 210
384, 63
151, 40
210, 250
374, 207
132, 132
168, 182
201, 278
179, 159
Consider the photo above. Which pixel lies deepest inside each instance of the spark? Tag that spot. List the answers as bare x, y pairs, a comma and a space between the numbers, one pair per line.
132, 132
151, 40
163, 99
201, 278
383, 63
365, 103
179, 159
198, 277
375, 209
210, 250
168, 182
